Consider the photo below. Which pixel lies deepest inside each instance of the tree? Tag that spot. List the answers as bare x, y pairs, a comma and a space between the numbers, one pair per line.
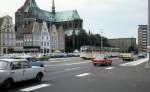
84, 38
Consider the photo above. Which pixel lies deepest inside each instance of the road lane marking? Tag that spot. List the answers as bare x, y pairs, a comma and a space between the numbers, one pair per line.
35, 87
83, 75
54, 61
76, 68
78, 63
110, 68
68, 64
135, 63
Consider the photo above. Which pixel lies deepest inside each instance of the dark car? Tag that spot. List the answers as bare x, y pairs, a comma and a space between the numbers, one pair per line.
101, 60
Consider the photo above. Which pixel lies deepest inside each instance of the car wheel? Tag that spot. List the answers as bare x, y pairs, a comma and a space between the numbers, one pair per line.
95, 64
109, 64
7, 83
39, 77
41, 65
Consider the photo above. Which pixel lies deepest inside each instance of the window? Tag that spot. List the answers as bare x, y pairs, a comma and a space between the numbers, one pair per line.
44, 43
47, 43
16, 65
26, 64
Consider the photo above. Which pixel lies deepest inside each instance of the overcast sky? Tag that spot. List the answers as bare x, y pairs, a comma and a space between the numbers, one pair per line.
116, 18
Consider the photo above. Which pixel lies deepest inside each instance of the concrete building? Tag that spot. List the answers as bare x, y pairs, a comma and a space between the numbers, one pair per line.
7, 35
123, 44
142, 38
65, 21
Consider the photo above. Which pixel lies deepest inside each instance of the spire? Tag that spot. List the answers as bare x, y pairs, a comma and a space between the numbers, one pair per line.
28, 4
53, 6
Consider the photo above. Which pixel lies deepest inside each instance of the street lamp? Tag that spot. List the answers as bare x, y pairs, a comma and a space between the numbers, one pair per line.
101, 31
148, 62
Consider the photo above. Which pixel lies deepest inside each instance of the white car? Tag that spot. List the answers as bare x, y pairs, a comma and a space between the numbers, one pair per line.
16, 70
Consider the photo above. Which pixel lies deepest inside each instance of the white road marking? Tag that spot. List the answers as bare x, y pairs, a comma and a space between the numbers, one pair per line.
35, 87
109, 68
76, 68
54, 61
78, 63
135, 63
65, 60
83, 75
68, 64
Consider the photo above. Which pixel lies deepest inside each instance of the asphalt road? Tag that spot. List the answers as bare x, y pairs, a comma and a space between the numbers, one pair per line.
77, 75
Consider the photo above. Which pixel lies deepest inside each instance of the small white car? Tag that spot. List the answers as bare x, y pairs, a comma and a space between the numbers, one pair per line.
16, 70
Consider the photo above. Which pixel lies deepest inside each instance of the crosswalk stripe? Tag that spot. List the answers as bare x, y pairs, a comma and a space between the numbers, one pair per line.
35, 87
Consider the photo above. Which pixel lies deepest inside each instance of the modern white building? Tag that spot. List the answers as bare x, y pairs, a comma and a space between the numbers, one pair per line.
7, 35
142, 38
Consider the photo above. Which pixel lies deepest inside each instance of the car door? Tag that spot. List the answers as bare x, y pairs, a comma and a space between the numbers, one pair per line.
17, 71
28, 71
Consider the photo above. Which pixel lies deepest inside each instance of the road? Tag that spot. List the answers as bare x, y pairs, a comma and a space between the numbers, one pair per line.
77, 75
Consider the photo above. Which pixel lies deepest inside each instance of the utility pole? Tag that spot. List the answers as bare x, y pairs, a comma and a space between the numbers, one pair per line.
148, 41
101, 32
73, 39
101, 40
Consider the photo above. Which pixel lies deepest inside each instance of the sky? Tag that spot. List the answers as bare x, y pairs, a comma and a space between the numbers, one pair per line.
112, 18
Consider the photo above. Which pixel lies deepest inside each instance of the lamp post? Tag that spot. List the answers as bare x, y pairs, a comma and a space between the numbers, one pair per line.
101, 32
148, 41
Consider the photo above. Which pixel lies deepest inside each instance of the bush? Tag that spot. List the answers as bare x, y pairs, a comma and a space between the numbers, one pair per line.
44, 58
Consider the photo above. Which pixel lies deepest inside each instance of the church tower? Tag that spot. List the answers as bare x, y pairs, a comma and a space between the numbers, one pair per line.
53, 6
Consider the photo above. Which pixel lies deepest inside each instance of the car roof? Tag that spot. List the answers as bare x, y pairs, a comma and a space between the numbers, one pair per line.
13, 60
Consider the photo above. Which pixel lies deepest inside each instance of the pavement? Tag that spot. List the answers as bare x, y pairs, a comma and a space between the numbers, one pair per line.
77, 75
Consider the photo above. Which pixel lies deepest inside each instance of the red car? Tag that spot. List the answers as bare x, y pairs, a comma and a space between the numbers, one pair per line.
101, 60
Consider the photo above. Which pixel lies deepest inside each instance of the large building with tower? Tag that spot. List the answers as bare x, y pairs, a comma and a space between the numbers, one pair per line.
58, 24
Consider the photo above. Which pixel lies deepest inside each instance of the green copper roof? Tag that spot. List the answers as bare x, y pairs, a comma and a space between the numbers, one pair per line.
67, 15
31, 6
41, 14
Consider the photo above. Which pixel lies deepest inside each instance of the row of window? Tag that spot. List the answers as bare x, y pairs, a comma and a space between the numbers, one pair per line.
8, 43
5, 36
45, 44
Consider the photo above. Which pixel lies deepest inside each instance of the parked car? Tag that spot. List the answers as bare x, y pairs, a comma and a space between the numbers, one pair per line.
142, 55
100, 59
127, 57
32, 60
16, 70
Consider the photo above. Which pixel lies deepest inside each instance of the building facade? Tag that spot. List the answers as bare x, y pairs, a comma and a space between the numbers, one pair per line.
7, 35
142, 38
123, 44
45, 39
36, 38
60, 22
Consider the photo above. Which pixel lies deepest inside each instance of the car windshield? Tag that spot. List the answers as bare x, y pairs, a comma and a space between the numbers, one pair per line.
3, 65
